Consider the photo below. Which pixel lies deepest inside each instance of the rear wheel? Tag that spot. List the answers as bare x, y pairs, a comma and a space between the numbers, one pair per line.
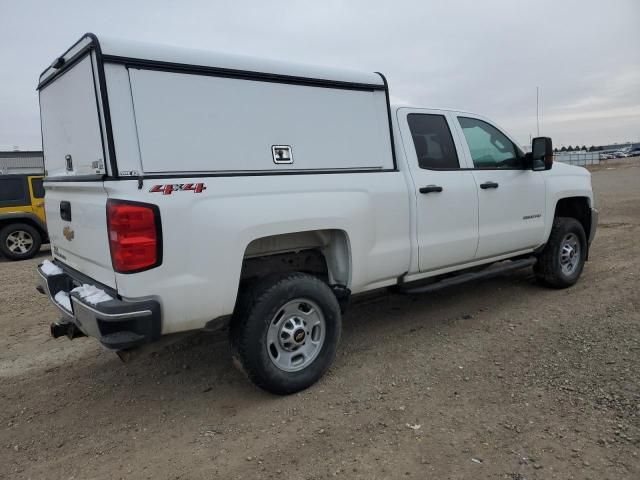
286, 332
562, 260
19, 241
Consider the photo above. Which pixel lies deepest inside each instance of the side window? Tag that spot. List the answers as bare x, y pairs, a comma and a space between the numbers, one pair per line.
489, 147
13, 192
433, 141
37, 188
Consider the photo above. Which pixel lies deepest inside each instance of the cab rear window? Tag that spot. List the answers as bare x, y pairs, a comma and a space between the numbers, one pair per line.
433, 142
12, 192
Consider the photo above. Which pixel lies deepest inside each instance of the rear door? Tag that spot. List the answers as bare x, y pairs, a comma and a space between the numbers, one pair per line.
75, 200
445, 193
511, 195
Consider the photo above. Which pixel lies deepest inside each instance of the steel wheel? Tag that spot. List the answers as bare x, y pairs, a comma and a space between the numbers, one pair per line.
19, 242
285, 331
296, 334
561, 261
569, 253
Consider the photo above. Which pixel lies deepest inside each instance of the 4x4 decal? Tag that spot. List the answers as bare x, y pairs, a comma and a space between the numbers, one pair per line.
178, 187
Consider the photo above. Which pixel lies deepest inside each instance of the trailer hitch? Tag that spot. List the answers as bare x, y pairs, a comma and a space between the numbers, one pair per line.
63, 328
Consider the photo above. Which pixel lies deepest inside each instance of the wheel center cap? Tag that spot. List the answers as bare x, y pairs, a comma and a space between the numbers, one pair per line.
299, 335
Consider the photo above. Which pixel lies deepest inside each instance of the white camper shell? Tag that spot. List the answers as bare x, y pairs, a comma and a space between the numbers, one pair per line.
167, 111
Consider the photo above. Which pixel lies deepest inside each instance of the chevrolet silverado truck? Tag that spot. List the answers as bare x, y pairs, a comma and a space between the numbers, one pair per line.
191, 190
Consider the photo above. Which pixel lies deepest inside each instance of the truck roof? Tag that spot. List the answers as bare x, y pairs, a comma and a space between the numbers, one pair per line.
168, 54
396, 107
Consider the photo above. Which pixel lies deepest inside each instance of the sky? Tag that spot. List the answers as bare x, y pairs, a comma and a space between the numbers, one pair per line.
483, 56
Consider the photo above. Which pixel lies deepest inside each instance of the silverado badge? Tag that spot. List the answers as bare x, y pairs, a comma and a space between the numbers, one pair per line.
68, 233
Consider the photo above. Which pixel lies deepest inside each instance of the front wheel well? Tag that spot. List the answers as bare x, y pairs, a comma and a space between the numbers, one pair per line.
575, 207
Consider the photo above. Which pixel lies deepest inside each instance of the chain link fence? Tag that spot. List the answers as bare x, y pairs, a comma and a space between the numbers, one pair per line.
578, 158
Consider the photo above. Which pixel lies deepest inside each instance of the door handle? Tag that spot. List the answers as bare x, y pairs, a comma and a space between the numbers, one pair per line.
430, 189
486, 185
65, 210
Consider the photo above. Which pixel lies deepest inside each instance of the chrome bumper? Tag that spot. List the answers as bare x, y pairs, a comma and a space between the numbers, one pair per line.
117, 324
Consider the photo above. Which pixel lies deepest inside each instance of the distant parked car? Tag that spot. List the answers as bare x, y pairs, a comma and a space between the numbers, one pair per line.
634, 152
606, 156
620, 154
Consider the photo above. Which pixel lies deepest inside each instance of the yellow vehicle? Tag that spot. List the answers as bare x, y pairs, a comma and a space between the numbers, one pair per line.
23, 225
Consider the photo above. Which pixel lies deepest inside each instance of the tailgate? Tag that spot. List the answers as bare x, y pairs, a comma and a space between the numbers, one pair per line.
77, 224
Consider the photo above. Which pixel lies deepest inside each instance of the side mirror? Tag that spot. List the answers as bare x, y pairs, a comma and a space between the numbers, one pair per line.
542, 153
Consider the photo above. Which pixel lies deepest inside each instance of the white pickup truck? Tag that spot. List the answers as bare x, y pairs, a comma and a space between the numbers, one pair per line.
190, 190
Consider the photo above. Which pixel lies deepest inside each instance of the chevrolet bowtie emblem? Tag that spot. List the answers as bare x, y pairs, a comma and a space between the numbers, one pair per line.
68, 233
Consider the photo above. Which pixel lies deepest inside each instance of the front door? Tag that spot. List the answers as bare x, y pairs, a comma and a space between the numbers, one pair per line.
446, 200
511, 195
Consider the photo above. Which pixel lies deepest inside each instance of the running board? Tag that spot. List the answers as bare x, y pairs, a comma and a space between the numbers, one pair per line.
489, 272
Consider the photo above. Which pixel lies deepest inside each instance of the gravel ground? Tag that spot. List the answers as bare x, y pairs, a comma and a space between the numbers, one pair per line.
500, 379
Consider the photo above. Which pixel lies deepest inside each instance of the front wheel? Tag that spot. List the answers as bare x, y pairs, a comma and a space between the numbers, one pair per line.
286, 332
562, 260
19, 241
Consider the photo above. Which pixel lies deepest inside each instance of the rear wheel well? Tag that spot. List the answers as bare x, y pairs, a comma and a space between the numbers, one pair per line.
307, 261
322, 253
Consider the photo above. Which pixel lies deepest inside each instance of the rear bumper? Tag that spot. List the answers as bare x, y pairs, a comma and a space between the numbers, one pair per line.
117, 324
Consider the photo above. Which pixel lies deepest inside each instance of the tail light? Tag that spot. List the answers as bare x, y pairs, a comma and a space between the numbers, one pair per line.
135, 236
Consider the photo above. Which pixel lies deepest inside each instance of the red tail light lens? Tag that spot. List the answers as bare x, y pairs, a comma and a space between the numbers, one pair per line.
134, 236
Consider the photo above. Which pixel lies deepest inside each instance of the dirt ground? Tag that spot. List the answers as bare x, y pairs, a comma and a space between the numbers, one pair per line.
500, 379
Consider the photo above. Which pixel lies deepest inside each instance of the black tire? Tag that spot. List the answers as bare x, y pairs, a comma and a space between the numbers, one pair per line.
256, 309
26, 248
549, 269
